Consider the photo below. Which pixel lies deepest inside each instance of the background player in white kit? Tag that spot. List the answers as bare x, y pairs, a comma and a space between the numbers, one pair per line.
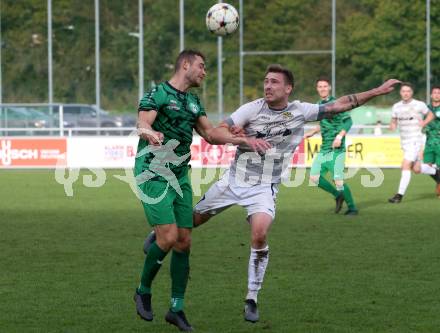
409, 114
252, 180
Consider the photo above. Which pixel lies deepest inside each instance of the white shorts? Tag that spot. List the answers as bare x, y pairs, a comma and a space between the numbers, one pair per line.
412, 150
222, 195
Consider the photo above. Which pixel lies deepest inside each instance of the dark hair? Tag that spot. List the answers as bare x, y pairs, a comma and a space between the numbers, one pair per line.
187, 55
276, 68
323, 78
407, 84
435, 86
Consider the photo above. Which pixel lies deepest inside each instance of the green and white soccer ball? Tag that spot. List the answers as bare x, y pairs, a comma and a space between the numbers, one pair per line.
222, 19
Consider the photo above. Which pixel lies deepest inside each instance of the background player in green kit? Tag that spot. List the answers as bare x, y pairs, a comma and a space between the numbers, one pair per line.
168, 114
431, 154
331, 157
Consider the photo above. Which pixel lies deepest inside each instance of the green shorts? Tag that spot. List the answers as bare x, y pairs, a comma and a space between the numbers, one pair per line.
164, 205
431, 154
333, 162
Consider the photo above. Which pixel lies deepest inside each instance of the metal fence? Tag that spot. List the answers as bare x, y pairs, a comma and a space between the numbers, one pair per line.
62, 120
82, 119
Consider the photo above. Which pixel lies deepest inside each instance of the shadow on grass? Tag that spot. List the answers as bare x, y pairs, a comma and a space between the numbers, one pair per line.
424, 196
372, 203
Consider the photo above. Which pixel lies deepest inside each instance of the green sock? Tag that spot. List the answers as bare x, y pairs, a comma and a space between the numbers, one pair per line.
349, 198
153, 262
179, 278
327, 186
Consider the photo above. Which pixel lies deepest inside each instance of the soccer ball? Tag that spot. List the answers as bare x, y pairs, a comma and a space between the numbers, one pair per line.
222, 19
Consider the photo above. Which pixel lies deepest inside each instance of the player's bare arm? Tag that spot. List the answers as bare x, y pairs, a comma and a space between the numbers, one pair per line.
144, 129
205, 129
349, 102
237, 130
312, 132
223, 134
338, 139
393, 124
429, 117
346, 125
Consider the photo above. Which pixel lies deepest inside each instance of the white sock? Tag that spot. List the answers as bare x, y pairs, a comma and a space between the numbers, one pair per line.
404, 181
427, 169
258, 261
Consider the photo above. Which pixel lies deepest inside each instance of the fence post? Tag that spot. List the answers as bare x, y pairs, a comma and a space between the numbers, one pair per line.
61, 119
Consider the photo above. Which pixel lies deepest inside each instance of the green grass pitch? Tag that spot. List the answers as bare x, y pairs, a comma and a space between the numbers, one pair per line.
72, 264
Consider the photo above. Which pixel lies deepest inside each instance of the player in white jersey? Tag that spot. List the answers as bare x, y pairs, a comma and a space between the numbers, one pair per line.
252, 180
410, 115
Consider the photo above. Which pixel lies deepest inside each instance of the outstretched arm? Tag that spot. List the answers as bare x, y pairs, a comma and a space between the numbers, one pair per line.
349, 102
217, 135
221, 135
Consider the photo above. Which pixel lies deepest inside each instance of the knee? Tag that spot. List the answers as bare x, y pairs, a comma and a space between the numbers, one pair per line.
417, 168
406, 165
258, 239
339, 183
167, 241
183, 243
314, 179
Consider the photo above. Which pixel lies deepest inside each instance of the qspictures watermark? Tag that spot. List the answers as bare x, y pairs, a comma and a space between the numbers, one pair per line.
165, 157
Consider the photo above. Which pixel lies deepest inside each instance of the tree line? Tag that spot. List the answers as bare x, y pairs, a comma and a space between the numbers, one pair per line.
376, 40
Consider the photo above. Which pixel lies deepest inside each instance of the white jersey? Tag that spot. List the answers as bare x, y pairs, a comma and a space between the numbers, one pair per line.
283, 129
408, 117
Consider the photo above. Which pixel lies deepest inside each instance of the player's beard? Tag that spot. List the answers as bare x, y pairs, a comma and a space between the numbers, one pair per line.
195, 81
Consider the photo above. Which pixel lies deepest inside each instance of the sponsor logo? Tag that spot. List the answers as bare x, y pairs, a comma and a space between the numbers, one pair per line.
8, 154
114, 152
174, 107
27, 152
118, 152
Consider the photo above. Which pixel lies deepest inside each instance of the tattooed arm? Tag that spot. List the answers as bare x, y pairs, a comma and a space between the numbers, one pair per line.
349, 102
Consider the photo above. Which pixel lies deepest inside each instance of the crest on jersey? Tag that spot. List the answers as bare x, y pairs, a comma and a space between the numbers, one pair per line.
287, 115
194, 108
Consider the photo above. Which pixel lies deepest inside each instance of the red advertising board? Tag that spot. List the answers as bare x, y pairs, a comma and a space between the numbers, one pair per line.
32, 152
204, 154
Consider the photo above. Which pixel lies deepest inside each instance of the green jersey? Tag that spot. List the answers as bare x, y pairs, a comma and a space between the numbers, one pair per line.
432, 130
330, 128
177, 114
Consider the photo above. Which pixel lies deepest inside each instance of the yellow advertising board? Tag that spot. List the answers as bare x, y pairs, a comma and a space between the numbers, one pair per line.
363, 151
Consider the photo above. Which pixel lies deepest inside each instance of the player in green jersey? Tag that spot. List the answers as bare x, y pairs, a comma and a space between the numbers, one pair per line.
331, 157
168, 114
431, 154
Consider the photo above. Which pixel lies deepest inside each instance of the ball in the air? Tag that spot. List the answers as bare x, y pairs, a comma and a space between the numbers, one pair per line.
222, 19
